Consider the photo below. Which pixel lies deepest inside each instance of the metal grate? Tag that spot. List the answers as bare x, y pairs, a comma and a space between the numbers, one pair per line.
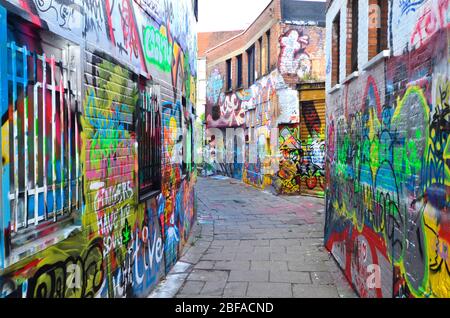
45, 173
149, 140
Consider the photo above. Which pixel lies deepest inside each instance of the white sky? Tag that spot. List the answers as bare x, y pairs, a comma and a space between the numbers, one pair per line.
229, 15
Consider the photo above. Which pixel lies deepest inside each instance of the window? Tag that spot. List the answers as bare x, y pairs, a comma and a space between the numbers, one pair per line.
260, 56
378, 11
187, 138
251, 65
42, 136
335, 50
188, 146
148, 130
229, 75
352, 33
268, 51
239, 70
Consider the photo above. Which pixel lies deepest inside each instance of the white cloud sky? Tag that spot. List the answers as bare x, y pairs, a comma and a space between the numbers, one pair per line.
229, 15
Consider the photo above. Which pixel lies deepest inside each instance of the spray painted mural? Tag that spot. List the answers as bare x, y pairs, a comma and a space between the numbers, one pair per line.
74, 222
288, 179
225, 110
312, 132
259, 103
302, 147
388, 170
301, 52
268, 109
246, 108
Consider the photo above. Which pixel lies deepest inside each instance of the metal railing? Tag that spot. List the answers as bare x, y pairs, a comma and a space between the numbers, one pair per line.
52, 86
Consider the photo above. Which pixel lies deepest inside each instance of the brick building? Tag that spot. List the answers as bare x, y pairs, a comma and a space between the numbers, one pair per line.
271, 77
97, 102
205, 41
387, 163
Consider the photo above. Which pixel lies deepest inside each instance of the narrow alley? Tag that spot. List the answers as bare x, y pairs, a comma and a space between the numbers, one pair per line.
176, 149
251, 243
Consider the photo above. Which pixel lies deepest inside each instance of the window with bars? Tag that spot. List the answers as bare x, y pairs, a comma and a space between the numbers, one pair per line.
42, 137
148, 128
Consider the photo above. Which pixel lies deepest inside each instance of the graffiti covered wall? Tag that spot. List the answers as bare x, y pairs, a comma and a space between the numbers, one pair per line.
387, 165
260, 101
312, 132
284, 146
301, 52
74, 220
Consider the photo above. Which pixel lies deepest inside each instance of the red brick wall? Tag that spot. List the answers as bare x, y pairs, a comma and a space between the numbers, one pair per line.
208, 40
216, 57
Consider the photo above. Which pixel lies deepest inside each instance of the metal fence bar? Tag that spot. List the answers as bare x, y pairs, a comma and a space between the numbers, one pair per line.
53, 88
69, 159
15, 136
77, 160
25, 135
36, 138
44, 134
28, 133
36, 145
61, 106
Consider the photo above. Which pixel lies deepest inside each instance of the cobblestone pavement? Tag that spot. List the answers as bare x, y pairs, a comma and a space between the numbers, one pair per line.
251, 243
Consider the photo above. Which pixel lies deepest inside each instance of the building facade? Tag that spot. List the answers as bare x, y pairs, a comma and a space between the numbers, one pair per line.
266, 91
97, 181
387, 163
206, 40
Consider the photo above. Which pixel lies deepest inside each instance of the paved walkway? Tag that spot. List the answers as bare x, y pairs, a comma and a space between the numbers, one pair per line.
251, 243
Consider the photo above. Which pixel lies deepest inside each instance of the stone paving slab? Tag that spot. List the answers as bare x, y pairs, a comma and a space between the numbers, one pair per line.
232, 265
308, 291
251, 243
269, 290
290, 277
269, 265
249, 276
235, 290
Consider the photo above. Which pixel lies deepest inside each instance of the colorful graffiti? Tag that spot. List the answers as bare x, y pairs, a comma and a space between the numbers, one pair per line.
230, 108
410, 5
270, 104
293, 58
312, 164
227, 113
388, 176
157, 49
74, 269
300, 53
258, 171
432, 17
104, 241
288, 180
302, 147
214, 87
